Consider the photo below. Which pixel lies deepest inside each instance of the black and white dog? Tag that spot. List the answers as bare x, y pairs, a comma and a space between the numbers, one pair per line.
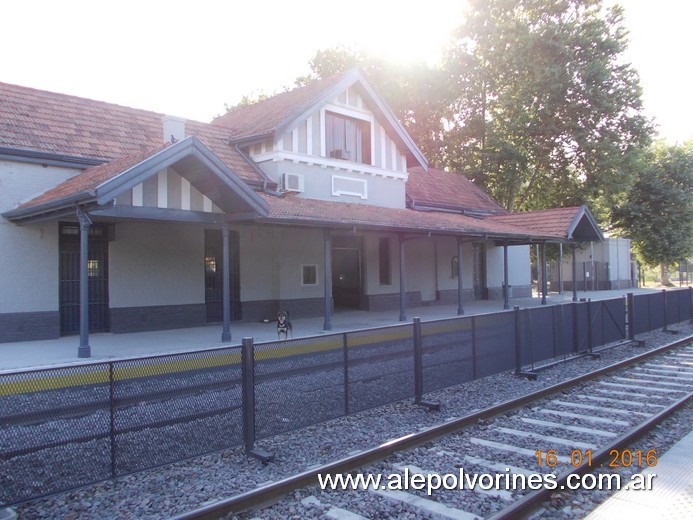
284, 325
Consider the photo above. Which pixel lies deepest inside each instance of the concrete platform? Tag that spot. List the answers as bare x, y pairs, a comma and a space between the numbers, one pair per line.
671, 495
109, 346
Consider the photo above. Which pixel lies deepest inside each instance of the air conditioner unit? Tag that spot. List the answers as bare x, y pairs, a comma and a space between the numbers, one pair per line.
341, 154
292, 182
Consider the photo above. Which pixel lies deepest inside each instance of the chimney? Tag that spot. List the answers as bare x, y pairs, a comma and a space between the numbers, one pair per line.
174, 128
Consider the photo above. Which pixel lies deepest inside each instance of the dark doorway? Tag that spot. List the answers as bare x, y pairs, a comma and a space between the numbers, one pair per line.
480, 289
214, 275
97, 269
346, 272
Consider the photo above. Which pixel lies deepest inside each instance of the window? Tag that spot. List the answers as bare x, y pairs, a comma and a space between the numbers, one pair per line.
309, 275
93, 268
347, 138
211, 264
384, 259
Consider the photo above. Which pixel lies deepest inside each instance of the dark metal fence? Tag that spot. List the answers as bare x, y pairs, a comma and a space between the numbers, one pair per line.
62, 428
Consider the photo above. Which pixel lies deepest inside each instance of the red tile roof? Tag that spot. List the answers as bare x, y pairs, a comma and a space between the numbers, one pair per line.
296, 210
439, 188
34, 120
549, 221
89, 179
37, 120
264, 117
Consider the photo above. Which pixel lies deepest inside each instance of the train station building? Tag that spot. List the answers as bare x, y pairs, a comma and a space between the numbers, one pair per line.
314, 200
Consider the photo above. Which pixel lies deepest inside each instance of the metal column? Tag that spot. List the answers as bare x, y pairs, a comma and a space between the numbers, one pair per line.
327, 325
573, 247
560, 268
84, 350
226, 288
402, 288
544, 284
460, 298
506, 288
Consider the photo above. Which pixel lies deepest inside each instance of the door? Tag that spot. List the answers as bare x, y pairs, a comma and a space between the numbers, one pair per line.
480, 289
97, 270
214, 275
346, 272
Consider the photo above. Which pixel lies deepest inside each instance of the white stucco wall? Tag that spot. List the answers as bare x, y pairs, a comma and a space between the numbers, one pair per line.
259, 262
380, 191
156, 264
518, 266
29, 253
446, 250
420, 266
616, 251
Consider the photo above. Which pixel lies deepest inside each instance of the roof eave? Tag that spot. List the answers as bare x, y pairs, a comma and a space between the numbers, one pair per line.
54, 206
49, 158
584, 212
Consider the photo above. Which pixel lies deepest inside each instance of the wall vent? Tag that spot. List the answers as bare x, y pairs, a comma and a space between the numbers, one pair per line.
348, 186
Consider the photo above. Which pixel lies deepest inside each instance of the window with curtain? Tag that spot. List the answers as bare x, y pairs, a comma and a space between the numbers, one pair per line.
347, 138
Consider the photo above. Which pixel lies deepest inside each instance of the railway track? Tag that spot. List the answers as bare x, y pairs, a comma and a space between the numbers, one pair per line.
553, 436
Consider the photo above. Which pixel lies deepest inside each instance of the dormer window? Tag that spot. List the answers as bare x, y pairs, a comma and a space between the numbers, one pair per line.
347, 138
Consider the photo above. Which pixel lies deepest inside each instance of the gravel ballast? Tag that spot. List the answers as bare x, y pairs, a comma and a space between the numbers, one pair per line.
183, 486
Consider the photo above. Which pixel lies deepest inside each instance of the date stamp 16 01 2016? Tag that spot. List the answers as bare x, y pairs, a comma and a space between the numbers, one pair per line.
617, 458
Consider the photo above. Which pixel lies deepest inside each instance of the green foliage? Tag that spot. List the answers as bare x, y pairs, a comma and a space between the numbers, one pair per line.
658, 212
249, 99
532, 101
543, 112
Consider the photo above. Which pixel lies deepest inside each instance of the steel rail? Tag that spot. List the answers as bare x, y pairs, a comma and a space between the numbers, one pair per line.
534, 499
271, 493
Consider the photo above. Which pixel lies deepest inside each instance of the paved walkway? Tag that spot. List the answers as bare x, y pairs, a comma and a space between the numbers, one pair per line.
671, 495
108, 346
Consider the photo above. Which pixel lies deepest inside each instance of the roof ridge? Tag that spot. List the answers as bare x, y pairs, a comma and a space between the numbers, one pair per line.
259, 104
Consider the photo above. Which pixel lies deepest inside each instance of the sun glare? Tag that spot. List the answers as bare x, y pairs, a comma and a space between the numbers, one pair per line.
402, 32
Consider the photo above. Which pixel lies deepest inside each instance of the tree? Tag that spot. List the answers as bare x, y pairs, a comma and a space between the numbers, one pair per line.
543, 112
658, 212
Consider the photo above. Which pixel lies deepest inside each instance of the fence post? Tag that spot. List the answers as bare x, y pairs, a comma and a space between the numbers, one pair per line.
589, 325
666, 315
111, 406
418, 369
666, 310
248, 401
576, 340
473, 348
346, 373
518, 347
630, 301
590, 328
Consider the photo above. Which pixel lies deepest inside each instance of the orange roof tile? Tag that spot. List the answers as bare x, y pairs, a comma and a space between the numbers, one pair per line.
89, 179
293, 209
37, 120
549, 221
264, 117
443, 189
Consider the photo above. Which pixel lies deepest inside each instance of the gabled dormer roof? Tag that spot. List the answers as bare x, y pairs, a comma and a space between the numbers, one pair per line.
100, 185
279, 114
575, 224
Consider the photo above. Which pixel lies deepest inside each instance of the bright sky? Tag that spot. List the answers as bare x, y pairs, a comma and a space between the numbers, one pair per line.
189, 58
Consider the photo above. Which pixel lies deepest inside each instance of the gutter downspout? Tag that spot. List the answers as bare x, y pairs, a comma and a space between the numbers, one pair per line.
254, 166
